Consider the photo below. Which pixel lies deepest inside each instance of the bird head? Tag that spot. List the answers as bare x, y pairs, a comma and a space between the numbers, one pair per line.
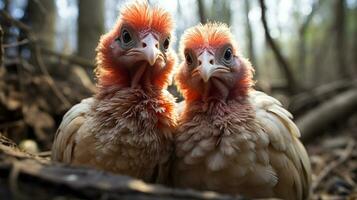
211, 66
136, 52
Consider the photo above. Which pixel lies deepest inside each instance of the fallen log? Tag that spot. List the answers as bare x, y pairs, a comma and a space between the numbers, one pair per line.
320, 118
305, 101
24, 176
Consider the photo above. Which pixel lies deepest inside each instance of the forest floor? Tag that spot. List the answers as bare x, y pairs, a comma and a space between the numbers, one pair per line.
334, 163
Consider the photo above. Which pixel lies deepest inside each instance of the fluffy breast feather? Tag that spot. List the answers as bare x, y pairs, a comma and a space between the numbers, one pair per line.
128, 132
242, 147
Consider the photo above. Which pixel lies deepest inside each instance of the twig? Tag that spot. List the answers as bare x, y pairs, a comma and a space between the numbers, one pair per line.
18, 43
44, 154
15, 22
26, 65
50, 81
333, 165
1, 47
6, 141
38, 55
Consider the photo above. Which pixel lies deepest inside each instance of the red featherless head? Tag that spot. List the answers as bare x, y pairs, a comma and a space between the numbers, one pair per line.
212, 67
136, 52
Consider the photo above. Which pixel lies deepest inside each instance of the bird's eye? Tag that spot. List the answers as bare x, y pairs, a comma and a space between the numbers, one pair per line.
166, 43
228, 54
189, 59
126, 37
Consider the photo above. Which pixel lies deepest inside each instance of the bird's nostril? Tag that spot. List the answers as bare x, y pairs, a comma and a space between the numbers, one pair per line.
199, 62
211, 62
144, 44
157, 45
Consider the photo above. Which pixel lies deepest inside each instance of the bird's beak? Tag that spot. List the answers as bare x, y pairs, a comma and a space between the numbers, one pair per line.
150, 49
207, 65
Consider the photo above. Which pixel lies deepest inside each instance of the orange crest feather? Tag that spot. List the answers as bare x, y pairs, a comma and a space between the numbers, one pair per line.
210, 35
141, 16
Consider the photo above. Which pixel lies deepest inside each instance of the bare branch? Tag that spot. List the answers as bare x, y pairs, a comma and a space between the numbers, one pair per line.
340, 28
38, 55
15, 44
15, 22
49, 79
283, 63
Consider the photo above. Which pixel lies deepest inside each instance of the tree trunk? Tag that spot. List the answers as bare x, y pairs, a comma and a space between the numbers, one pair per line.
2, 67
42, 19
302, 41
90, 27
283, 63
354, 50
1, 50
6, 5
340, 38
249, 34
201, 11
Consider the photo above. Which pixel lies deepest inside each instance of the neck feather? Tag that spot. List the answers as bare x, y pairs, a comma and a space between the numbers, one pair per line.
244, 81
149, 109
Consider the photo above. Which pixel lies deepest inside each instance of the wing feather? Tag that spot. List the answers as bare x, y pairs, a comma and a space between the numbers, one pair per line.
64, 143
283, 134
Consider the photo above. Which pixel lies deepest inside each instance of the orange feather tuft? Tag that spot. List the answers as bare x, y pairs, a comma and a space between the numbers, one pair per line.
106, 72
210, 35
164, 78
245, 83
189, 93
142, 17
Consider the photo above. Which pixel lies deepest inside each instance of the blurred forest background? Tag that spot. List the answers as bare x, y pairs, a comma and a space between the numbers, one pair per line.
304, 53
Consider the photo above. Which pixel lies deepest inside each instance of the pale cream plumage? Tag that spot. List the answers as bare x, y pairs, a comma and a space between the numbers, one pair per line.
231, 138
127, 126
259, 157
102, 135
